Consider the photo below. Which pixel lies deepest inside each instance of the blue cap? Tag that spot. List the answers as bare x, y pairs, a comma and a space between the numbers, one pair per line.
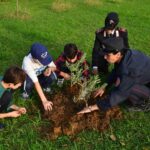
40, 52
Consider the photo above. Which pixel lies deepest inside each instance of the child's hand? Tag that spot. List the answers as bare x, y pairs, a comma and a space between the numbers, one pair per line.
14, 114
66, 76
22, 110
47, 72
47, 105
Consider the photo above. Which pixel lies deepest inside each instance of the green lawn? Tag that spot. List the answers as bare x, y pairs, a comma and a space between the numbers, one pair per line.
55, 23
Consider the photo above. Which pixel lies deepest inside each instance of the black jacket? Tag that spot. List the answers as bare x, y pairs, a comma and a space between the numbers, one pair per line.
133, 69
100, 36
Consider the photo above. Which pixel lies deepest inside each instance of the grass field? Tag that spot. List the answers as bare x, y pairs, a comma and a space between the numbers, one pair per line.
55, 23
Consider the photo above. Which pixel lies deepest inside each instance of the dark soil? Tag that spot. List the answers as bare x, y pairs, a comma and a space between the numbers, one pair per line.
65, 121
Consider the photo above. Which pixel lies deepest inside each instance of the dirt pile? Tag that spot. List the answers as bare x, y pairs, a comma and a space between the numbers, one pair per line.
65, 121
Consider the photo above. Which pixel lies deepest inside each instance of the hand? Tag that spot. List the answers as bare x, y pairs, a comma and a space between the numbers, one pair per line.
53, 69
14, 114
22, 110
117, 82
47, 105
99, 92
95, 71
47, 72
84, 110
66, 76
88, 109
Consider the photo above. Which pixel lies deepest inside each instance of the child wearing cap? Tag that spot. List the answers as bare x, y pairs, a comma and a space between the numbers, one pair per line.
12, 79
39, 67
130, 76
110, 29
71, 55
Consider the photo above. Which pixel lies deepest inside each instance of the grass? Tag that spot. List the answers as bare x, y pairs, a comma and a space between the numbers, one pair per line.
60, 6
93, 2
76, 22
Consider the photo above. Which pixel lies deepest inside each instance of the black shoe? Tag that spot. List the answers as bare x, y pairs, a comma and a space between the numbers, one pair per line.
2, 126
144, 107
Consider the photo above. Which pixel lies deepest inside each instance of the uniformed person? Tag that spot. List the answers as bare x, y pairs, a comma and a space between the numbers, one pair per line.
130, 76
110, 29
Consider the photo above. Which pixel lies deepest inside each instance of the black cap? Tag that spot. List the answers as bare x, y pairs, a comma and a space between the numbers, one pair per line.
111, 20
112, 45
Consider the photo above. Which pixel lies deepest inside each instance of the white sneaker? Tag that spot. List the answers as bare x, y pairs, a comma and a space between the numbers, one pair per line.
60, 82
25, 96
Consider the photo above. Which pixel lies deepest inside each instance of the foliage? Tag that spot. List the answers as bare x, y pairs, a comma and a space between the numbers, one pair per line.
76, 70
54, 29
86, 86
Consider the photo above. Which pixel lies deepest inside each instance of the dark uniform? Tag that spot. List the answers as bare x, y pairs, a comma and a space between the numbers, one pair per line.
111, 21
101, 34
134, 73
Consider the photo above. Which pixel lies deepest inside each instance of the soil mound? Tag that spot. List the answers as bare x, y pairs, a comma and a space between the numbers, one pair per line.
64, 119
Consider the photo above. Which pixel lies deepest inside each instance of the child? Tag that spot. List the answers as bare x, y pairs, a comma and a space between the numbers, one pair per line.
12, 79
71, 55
39, 66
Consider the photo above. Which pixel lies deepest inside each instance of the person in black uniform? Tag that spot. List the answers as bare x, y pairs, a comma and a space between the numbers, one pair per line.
130, 76
110, 29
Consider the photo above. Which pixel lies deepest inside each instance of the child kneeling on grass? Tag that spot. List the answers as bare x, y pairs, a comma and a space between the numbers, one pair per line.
12, 79
40, 70
70, 55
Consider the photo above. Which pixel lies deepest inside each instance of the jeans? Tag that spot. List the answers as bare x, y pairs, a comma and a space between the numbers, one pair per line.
45, 82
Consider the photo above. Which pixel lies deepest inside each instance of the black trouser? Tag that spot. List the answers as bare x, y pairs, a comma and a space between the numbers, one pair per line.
5, 100
139, 93
43, 80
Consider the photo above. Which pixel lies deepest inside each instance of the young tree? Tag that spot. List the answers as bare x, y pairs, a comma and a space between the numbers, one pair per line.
86, 86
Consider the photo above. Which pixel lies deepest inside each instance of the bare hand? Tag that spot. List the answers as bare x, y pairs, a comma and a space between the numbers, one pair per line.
47, 105
95, 71
117, 82
14, 114
88, 109
53, 69
47, 72
99, 92
22, 110
66, 76
84, 111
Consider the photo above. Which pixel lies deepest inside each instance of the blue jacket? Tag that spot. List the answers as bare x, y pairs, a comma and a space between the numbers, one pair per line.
134, 68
